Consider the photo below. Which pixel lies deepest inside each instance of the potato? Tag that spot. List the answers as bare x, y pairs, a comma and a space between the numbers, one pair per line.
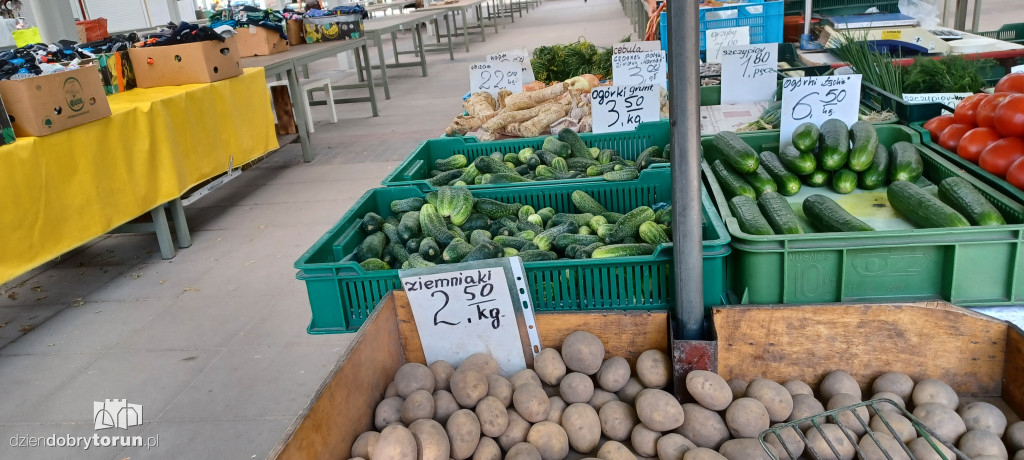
525, 376
935, 391
806, 406
888, 444
463, 433
583, 427
797, 387
1019, 455
613, 374
746, 418
549, 366
557, 406
739, 388
419, 405
887, 408
468, 386
516, 431
492, 415
744, 449
601, 398
790, 440
836, 382
644, 441
617, 420
1014, 436
431, 440
816, 443
390, 391
365, 444
500, 388
483, 363
531, 402
853, 420
576, 388
614, 450
442, 371
946, 423
775, 398
413, 376
709, 389
659, 410
444, 406
672, 446
654, 368
487, 450
976, 443
979, 415
388, 412
550, 440
628, 393
922, 450
523, 451
905, 430
896, 383
396, 442
583, 352
703, 426
703, 453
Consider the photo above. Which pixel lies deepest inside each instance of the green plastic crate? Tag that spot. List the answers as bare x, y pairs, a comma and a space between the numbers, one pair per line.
988, 178
415, 170
1013, 33
966, 266
342, 294
841, 7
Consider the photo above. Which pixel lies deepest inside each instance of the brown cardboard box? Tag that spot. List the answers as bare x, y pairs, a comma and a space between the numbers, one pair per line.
259, 41
294, 29
50, 103
202, 62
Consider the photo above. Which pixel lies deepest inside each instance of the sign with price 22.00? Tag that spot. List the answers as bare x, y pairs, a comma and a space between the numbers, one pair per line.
474, 307
816, 99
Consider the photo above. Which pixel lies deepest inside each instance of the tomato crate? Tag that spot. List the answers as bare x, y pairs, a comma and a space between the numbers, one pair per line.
415, 170
966, 266
342, 294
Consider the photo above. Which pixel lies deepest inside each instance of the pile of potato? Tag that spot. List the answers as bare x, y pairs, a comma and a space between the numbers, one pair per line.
574, 403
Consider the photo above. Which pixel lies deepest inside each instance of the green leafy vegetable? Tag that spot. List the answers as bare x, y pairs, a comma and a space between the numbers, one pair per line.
950, 74
562, 62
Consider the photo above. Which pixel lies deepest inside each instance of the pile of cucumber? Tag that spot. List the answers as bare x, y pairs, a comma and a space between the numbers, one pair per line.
450, 226
561, 157
846, 158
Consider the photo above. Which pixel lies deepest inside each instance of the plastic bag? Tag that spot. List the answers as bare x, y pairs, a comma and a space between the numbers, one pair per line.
927, 12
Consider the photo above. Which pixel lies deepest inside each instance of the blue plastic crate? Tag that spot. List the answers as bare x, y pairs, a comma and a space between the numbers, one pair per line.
763, 18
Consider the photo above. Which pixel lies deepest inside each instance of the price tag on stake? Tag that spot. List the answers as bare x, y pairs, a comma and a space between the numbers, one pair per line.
635, 47
749, 73
623, 108
518, 56
716, 40
816, 99
474, 307
639, 69
495, 76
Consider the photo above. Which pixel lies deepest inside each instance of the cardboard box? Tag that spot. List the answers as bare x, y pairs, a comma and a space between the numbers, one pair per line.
329, 28
259, 41
6, 129
116, 72
50, 103
201, 62
295, 33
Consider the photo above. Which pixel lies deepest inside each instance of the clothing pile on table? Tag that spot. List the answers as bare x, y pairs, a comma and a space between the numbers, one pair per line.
249, 16
181, 34
39, 59
339, 11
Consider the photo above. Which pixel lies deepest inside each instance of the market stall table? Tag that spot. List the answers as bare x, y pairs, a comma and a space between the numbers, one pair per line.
389, 6
1004, 52
375, 29
64, 189
462, 7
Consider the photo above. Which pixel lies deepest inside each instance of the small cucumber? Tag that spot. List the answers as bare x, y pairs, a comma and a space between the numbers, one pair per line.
779, 214
621, 175
586, 203
865, 143
921, 208
732, 184
834, 148
844, 181
876, 174
818, 178
905, 162
805, 137
761, 181
749, 217
828, 216
787, 182
958, 193
371, 223
798, 162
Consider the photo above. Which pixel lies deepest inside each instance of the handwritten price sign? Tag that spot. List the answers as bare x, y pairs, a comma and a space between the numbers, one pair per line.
495, 76
716, 40
518, 56
749, 73
622, 108
638, 69
816, 99
636, 47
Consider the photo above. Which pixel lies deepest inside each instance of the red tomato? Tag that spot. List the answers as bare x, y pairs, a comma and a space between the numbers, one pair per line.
975, 141
1009, 119
1011, 83
968, 109
1015, 175
1000, 155
950, 137
937, 124
986, 116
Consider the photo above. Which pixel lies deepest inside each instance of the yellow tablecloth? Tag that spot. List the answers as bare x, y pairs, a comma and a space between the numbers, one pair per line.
59, 191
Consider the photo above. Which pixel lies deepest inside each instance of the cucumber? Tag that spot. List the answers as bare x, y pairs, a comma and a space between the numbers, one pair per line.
818, 178
734, 151
959, 194
732, 184
476, 221
805, 137
445, 178
761, 181
586, 203
572, 250
469, 175
409, 226
621, 175
433, 225
510, 252
905, 162
413, 245
828, 216
787, 182
546, 213
800, 163
479, 236
580, 164
605, 156
921, 208
406, 205
396, 253
622, 250
372, 247
555, 146
374, 264
564, 240
429, 249
779, 214
485, 250
505, 178
546, 157
653, 151
535, 219
585, 253
560, 165
596, 222
578, 219
844, 181
391, 231
456, 251
512, 158
450, 163
875, 175
612, 217
651, 233
496, 209
834, 148
514, 242
525, 212
629, 224
536, 255
576, 145
371, 223
525, 155
749, 217
489, 165
546, 239
865, 143
417, 261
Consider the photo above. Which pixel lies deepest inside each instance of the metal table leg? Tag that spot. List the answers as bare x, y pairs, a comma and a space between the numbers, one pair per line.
451, 46
180, 225
383, 65
465, 27
418, 39
296, 94
369, 80
394, 45
163, 232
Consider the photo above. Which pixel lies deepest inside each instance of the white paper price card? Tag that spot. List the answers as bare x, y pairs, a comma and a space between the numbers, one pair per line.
519, 56
1017, 69
622, 108
474, 307
816, 99
495, 76
638, 69
749, 73
636, 47
715, 40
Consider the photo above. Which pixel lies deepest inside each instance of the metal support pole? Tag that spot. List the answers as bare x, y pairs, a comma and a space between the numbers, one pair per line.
976, 18
684, 115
